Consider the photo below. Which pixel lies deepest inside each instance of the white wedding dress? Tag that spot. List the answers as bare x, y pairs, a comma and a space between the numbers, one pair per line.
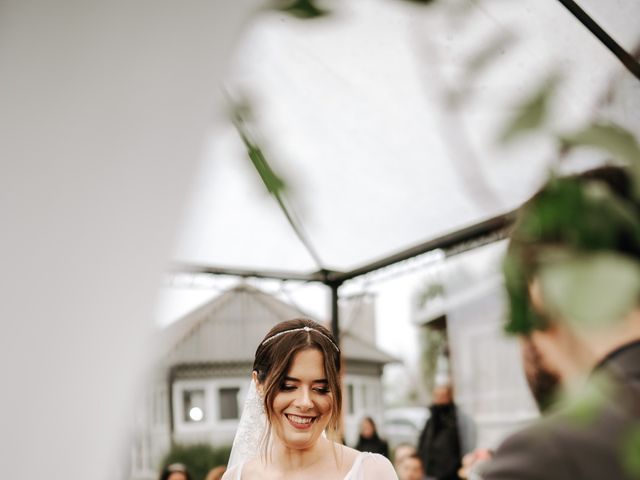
367, 466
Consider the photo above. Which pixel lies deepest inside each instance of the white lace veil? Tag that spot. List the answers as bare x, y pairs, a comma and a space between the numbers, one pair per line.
251, 429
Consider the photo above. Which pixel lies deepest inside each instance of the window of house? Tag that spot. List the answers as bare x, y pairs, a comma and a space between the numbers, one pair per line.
363, 396
229, 403
193, 402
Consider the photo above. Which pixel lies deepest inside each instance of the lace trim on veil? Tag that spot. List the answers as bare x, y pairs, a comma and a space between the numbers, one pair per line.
251, 429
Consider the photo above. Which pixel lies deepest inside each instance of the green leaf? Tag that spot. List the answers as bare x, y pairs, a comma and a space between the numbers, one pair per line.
239, 111
522, 318
589, 290
532, 113
303, 9
275, 185
422, 2
585, 406
620, 143
611, 138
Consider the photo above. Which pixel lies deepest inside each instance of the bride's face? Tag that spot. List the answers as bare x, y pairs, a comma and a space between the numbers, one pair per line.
302, 408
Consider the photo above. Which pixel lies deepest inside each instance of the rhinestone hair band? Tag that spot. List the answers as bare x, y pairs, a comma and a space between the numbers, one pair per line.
306, 329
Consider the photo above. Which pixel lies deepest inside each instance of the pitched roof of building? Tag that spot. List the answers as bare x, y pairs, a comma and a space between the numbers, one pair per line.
229, 328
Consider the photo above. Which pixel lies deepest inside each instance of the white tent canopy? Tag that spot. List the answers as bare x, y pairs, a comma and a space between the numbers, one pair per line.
350, 110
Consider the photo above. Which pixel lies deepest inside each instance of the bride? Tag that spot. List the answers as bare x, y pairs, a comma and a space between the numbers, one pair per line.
292, 415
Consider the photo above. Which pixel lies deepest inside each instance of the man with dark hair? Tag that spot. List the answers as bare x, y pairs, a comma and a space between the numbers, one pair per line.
572, 274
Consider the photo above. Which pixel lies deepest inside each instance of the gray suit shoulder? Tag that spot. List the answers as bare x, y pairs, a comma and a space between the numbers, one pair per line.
530, 454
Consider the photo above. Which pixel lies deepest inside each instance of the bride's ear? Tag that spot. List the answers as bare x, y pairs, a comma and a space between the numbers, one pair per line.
259, 386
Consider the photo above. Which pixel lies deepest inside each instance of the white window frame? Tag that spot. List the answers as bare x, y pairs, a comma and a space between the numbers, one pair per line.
178, 389
211, 389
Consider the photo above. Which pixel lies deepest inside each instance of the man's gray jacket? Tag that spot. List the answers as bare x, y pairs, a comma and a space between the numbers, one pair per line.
595, 437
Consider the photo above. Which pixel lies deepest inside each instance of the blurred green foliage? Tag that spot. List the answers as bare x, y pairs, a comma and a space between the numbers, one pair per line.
240, 114
631, 451
432, 342
581, 239
429, 292
422, 2
532, 113
198, 458
590, 290
303, 9
586, 405
618, 142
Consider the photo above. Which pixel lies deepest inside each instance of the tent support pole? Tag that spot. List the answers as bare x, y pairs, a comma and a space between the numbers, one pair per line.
335, 314
583, 17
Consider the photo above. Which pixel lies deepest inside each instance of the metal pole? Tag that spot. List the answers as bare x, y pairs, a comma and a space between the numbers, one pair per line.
335, 314
625, 57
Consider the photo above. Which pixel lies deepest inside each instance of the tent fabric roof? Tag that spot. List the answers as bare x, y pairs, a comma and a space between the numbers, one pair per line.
229, 327
351, 111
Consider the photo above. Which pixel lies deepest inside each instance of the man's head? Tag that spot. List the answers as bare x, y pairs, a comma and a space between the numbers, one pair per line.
401, 452
572, 273
410, 468
442, 395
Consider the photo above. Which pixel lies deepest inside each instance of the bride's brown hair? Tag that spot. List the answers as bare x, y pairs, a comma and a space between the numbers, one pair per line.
276, 352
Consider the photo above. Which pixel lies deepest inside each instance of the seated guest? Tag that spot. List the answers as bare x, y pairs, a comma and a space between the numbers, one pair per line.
175, 471
410, 468
401, 452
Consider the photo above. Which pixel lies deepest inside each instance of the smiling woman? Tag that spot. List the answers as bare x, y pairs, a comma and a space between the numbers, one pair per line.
296, 375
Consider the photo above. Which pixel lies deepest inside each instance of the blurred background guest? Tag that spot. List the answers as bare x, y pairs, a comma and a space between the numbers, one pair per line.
410, 468
175, 471
401, 452
439, 443
471, 461
369, 440
216, 473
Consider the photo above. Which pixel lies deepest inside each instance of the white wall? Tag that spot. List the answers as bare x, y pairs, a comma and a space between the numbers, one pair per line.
103, 110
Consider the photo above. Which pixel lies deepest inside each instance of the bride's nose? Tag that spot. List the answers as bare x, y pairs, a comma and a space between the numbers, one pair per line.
303, 399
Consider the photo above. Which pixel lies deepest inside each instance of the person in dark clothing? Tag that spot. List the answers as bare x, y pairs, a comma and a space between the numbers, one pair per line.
369, 441
439, 443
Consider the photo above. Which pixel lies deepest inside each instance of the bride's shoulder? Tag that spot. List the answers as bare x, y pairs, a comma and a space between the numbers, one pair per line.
347, 453
374, 466
249, 469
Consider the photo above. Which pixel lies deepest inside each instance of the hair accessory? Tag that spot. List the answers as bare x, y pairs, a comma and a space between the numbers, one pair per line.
306, 329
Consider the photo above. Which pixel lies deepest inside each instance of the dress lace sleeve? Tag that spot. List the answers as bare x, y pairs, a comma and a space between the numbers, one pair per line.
375, 467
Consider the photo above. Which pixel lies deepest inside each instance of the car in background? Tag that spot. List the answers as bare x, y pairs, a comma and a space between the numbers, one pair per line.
403, 425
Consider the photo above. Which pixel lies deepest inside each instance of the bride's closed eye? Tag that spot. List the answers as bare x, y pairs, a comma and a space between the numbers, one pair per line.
323, 390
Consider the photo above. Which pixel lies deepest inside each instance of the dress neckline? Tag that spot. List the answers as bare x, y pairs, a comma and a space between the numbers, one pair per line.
356, 463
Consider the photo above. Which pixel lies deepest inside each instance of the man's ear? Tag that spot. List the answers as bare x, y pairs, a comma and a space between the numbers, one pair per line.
535, 295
